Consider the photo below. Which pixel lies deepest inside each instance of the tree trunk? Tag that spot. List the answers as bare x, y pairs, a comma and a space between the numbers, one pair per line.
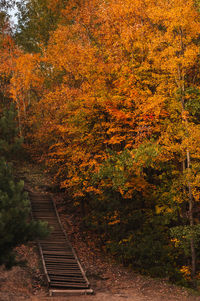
191, 220
181, 81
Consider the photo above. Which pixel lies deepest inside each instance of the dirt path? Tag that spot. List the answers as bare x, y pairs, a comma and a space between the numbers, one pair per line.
27, 283
110, 281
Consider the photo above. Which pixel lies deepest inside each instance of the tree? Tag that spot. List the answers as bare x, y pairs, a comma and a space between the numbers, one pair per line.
174, 51
7, 51
36, 19
15, 226
10, 143
116, 114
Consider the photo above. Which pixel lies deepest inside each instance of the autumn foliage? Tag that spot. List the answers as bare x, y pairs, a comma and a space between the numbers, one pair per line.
111, 103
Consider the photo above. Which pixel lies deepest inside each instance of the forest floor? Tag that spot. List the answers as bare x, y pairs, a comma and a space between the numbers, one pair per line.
109, 280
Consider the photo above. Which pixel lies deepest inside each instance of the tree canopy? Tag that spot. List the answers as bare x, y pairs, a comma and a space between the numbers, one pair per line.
107, 94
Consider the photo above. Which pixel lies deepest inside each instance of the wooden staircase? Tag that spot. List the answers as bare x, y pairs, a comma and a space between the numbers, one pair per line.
62, 268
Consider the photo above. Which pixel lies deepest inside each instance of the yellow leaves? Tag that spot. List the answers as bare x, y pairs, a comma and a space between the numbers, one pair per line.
114, 219
163, 210
8, 54
172, 46
190, 55
176, 242
93, 190
27, 70
126, 240
114, 140
186, 271
108, 81
114, 222
26, 77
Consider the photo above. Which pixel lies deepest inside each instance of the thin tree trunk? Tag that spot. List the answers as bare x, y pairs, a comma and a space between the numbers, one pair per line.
19, 119
190, 212
191, 220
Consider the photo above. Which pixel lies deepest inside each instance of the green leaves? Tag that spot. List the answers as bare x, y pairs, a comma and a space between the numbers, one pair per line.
36, 19
15, 227
113, 104
192, 104
147, 152
183, 236
116, 169
10, 142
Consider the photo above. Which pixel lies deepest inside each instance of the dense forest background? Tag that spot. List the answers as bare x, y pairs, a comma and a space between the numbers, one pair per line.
107, 95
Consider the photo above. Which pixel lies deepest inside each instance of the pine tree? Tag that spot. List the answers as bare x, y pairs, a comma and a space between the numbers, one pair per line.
9, 141
15, 227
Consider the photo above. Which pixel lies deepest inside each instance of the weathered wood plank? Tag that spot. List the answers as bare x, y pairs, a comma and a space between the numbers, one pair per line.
61, 265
